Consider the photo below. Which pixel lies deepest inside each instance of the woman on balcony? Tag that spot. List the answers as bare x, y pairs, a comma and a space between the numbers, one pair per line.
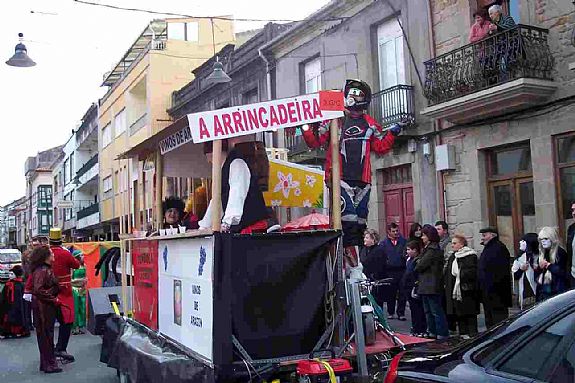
480, 29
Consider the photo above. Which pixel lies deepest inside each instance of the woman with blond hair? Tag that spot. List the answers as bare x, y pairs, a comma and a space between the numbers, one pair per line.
551, 272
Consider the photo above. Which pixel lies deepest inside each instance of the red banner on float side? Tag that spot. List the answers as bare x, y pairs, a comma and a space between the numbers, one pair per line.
145, 262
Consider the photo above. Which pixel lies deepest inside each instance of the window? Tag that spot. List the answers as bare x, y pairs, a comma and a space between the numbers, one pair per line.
120, 123
44, 197
107, 187
312, 76
71, 165
565, 371
537, 356
45, 222
106, 135
250, 97
565, 162
66, 172
515, 160
183, 31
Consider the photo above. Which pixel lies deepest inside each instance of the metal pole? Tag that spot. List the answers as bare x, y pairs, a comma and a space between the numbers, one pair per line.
217, 185
335, 175
159, 187
359, 335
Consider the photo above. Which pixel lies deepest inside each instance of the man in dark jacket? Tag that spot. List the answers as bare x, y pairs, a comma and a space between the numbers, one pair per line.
394, 250
570, 238
494, 277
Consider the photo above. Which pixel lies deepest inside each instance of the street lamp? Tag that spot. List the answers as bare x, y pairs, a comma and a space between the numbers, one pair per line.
218, 75
20, 58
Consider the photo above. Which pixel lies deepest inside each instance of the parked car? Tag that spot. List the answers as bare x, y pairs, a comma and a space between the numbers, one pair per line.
537, 345
10, 258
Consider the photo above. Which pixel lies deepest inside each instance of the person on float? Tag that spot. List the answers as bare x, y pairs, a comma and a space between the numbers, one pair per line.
551, 272
360, 135
243, 206
62, 266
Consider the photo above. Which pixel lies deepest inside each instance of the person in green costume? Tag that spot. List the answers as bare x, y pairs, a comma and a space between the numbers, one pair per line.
79, 290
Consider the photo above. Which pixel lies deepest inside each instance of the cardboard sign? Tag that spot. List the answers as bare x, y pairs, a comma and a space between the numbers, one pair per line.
260, 117
145, 261
186, 293
331, 100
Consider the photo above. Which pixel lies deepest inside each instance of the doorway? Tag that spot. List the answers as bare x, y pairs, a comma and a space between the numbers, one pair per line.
398, 198
511, 198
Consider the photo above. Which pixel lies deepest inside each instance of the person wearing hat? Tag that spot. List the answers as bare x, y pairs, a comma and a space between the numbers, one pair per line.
14, 317
79, 291
360, 135
494, 277
63, 264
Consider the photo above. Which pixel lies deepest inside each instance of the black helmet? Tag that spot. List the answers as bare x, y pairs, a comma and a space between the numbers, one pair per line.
357, 94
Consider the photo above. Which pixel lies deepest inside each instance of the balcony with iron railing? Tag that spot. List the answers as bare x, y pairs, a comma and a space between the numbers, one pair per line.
88, 211
508, 71
392, 105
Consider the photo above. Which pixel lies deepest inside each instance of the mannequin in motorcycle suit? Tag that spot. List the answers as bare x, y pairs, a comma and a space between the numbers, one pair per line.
360, 134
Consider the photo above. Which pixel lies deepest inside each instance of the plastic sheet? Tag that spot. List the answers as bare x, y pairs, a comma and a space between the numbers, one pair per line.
146, 356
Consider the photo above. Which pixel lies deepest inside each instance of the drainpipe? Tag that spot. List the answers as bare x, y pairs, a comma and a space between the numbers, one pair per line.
269, 92
436, 123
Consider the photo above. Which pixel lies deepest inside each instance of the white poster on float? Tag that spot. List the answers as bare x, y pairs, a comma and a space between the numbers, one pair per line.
186, 293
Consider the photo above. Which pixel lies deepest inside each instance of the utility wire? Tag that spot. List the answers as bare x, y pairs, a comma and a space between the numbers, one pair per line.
201, 17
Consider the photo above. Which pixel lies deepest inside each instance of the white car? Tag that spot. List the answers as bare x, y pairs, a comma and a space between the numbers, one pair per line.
10, 258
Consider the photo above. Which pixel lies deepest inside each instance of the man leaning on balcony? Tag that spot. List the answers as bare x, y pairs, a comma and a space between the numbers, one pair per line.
500, 21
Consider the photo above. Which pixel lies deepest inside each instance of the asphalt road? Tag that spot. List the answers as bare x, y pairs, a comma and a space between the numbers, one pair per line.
20, 360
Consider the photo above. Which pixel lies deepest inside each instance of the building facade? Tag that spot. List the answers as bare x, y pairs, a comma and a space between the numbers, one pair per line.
134, 108
383, 43
38, 172
506, 115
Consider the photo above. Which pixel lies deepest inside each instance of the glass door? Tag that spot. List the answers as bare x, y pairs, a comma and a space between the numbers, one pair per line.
391, 66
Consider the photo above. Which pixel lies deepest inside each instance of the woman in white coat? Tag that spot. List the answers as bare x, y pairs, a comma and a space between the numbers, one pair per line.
524, 269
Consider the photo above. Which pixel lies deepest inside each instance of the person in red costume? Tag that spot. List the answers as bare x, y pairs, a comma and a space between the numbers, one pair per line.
63, 264
360, 134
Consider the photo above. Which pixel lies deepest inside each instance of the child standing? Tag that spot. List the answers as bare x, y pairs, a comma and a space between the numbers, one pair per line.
409, 288
14, 316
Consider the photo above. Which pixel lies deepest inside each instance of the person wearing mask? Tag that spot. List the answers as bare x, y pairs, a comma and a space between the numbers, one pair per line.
430, 285
570, 247
551, 270
374, 261
462, 296
500, 22
479, 29
415, 232
62, 267
394, 250
409, 287
523, 269
45, 305
494, 277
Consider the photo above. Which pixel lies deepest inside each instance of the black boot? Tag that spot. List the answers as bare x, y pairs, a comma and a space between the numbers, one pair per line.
65, 356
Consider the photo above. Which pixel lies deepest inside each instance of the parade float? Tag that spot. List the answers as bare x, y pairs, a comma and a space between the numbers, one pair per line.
210, 306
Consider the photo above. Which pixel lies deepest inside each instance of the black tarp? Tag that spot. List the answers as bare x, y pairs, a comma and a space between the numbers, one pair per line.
278, 286
146, 357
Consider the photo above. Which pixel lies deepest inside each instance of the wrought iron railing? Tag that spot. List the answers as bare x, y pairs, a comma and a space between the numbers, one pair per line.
294, 143
88, 211
521, 52
87, 166
393, 105
139, 123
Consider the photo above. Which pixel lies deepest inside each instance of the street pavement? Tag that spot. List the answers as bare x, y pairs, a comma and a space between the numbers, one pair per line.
20, 360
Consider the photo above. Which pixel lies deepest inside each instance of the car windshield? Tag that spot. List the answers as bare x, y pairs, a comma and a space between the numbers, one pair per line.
9, 257
510, 330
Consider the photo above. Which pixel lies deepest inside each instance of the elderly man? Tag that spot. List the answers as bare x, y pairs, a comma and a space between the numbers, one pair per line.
494, 276
500, 21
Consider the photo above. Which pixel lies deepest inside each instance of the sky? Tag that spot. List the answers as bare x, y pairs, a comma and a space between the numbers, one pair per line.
74, 45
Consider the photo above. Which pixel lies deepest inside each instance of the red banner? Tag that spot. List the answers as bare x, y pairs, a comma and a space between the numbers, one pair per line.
145, 262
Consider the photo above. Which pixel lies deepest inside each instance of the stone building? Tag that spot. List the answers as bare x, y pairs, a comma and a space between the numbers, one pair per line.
384, 43
506, 116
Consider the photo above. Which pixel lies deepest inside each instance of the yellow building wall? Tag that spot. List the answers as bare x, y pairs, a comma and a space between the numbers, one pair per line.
164, 71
